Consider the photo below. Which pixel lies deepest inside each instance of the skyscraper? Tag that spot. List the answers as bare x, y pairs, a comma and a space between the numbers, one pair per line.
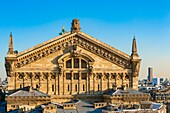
150, 74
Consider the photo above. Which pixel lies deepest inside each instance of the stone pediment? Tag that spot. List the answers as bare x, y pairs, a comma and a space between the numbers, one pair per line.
68, 40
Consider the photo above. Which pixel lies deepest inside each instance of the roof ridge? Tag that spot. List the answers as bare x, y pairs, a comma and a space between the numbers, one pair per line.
41, 44
104, 44
26, 93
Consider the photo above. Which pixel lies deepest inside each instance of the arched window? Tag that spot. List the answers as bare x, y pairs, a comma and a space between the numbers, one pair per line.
75, 68
76, 63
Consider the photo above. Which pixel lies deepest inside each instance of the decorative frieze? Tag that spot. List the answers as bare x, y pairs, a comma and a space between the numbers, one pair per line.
79, 41
103, 52
35, 75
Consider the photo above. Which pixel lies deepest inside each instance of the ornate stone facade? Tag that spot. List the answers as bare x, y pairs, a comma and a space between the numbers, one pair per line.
73, 63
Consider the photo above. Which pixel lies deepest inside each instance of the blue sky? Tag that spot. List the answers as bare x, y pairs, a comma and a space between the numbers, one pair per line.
112, 21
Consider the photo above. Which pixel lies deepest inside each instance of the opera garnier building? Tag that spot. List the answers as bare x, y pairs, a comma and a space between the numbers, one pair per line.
71, 65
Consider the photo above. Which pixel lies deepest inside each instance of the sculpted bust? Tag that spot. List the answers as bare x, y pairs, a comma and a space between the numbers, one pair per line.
75, 26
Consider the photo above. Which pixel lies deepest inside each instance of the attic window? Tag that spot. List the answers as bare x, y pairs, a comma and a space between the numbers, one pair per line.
76, 63
83, 64
69, 64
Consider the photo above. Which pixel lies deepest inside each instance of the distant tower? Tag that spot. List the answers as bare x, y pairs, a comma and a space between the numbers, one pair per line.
150, 74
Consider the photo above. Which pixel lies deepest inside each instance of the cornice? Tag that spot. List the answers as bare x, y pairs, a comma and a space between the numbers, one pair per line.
48, 43
67, 40
106, 46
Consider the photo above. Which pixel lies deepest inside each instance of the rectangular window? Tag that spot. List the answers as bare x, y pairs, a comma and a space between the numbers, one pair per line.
76, 63
76, 76
83, 64
68, 76
20, 85
83, 76
83, 87
76, 87
53, 88
69, 64
68, 87
36, 85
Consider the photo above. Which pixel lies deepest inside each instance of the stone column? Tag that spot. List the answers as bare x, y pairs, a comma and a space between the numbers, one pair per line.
94, 80
126, 82
108, 77
115, 75
79, 63
131, 80
61, 84
30, 74
32, 81
72, 82
87, 83
58, 83
39, 75
79, 82
15, 81
64, 75
23, 79
101, 82
40, 84
72, 63
60, 79
122, 77
46, 76
114, 85
56, 92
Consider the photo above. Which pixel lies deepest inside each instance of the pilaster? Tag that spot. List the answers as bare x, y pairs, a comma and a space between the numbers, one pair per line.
79, 82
